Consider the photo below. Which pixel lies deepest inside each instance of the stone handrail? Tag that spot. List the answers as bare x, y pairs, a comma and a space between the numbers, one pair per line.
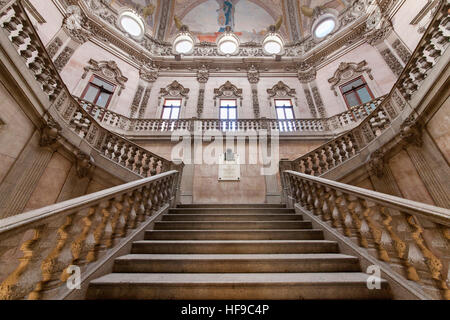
65, 114
342, 121
387, 227
331, 154
41, 248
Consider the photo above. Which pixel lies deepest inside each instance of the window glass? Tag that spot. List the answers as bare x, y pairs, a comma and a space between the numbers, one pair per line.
103, 99
228, 102
175, 103
280, 114
352, 85
166, 113
91, 93
101, 83
364, 95
175, 113
281, 103
289, 113
351, 98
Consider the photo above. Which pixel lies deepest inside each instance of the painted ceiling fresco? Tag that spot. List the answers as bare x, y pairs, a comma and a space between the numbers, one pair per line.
207, 19
148, 9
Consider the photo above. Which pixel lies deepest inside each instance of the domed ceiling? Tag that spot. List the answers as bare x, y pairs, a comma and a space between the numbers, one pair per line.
249, 19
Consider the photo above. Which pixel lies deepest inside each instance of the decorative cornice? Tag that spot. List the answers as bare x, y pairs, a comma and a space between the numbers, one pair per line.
306, 72
175, 89
281, 90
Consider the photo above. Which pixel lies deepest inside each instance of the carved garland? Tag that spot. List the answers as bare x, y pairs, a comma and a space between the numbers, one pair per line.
228, 91
107, 69
346, 71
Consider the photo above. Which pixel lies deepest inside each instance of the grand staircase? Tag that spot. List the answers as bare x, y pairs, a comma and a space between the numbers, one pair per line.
235, 252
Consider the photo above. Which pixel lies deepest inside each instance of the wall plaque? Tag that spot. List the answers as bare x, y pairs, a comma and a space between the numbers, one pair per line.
229, 167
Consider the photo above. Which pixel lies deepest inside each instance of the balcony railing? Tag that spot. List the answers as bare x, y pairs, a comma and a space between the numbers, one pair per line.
337, 123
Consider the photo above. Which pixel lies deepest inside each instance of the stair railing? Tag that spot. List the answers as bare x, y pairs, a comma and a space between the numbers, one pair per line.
386, 227
40, 249
346, 146
75, 124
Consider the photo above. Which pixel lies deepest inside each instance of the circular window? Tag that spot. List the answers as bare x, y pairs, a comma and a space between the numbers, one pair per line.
183, 44
228, 44
324, 28
228, 47
132, 24
273, 44
324, 25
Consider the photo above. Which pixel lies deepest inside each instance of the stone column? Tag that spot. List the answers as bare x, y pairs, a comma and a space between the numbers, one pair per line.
421, 155
148, 75
202, 78
21, 180
78, 179
306, 74
253, 78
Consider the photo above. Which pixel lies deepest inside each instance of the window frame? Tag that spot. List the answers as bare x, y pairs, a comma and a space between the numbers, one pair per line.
171, 108
291, 106
355, 90
228, 108
101, 90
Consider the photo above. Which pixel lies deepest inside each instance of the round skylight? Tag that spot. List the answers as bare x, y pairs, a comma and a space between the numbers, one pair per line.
324, 28
273, 44
183, 44
228, 43
228, 47
132, 24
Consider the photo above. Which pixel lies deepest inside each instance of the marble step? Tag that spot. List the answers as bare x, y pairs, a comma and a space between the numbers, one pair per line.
234, 234
231, 217
233, 205
236, 263
233, 246
231, 225
230, 210
235, 286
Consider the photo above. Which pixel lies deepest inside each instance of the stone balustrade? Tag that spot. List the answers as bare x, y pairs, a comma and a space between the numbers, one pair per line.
387, 227
64, 109
427, 54
341, 121
40, 249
